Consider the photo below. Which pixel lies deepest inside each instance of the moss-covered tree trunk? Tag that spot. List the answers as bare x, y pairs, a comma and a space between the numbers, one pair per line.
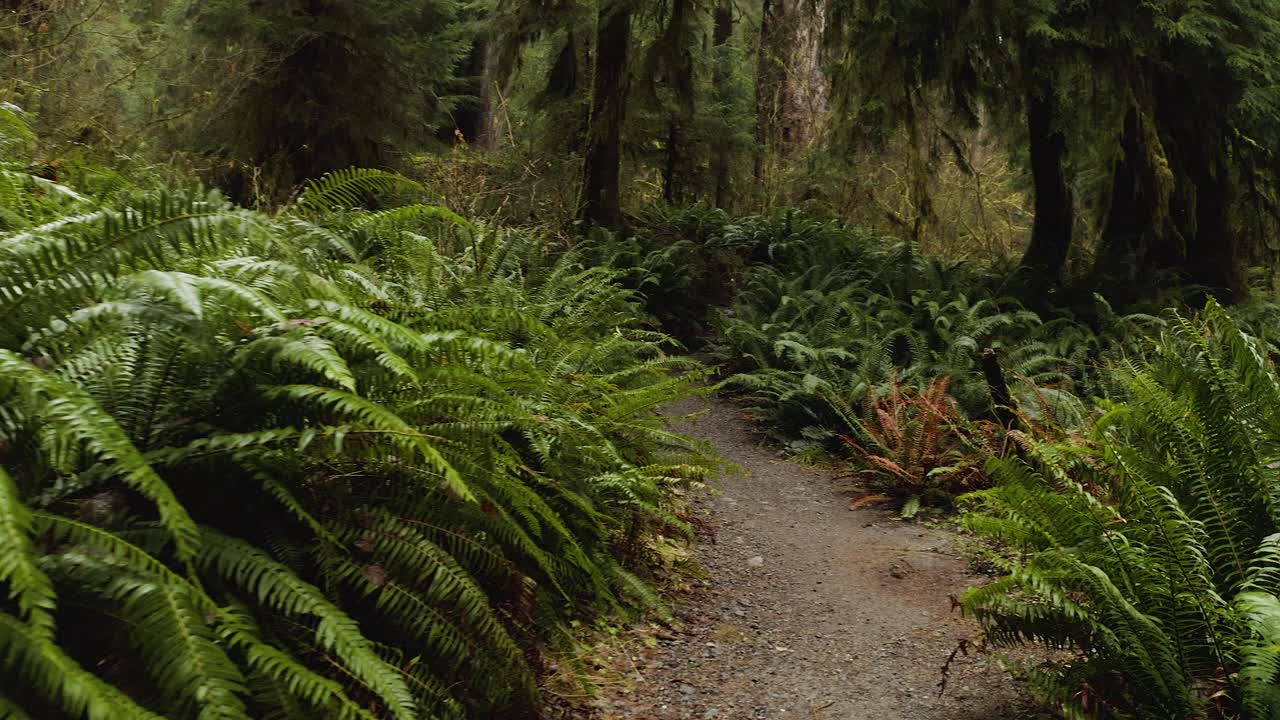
722, 32
677, 58
474, 120
806, 90
1131, 208
792, 89
1197, 148
1171, 198
602, 197
671, 165
1054, 206
1213, 255
766, 81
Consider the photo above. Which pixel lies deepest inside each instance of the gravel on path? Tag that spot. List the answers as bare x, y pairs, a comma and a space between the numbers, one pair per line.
811, 611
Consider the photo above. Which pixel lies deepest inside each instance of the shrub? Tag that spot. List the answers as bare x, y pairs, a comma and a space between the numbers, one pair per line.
680, 260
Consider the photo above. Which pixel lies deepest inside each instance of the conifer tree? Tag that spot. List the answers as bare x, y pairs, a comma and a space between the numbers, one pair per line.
721, 78
336, 83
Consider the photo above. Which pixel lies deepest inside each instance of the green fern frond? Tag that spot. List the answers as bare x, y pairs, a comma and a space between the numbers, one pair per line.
76, 414
289, 679
279, 589
172, 633
44, 668
377, 417
348, 189
18, 567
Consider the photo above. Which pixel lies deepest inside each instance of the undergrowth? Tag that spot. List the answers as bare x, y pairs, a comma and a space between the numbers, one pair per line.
1148, 552
329, 462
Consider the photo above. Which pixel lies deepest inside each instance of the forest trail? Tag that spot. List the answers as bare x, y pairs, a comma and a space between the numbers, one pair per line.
811, 611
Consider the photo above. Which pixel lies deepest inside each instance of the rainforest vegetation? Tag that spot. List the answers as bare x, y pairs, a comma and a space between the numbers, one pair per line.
335, 335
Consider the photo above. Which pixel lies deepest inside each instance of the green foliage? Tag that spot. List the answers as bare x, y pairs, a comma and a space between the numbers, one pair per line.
682, 261
332, 85
1095, 92
1150, 552
833, 314
327, 463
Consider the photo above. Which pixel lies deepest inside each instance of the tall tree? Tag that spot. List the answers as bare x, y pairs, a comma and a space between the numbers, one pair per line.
667, 83
473, 118
636, 80
792, 87
336, 83
1054, 224
601, 187
1180, 176
721, 77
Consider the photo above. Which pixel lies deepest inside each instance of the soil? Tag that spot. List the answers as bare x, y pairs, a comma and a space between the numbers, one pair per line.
808, 610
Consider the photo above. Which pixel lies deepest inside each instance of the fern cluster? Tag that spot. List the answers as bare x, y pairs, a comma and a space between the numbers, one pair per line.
832, 314
684, 261
917, 442
1150, 553
331, 462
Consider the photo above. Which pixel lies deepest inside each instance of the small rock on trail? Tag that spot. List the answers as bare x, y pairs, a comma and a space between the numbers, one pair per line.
812, 611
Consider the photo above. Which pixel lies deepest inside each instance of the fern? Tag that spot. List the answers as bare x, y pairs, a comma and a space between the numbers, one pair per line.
277, 587
77, 415
18, 566
1153, 556
42, 667
326, 463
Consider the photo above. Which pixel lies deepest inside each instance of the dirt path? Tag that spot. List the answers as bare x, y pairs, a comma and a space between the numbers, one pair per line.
811, 611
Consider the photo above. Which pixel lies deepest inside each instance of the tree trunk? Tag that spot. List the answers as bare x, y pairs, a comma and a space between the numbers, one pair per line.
1174, 216
602, 199
766, 86
721, 148
1212, 258
806, 91
1196, 145
1130, 229
474, 119
792, 90
562, 80
674, 59
670, 193
1054, 206
1002, 402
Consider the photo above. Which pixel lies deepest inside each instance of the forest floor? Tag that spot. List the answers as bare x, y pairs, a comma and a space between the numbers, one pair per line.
806, 610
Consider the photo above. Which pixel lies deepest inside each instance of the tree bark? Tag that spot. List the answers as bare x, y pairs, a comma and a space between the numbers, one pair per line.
474, 121
602, 200
1054, 204
792, 90
1132, 210
806, 90
766, 85
1181, 223
1212, 258
1136, 237
674, 59
722, 33
1196, 145
671, 168
1002, 401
